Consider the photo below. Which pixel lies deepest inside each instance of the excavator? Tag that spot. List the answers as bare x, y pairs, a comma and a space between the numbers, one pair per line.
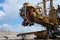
32, 15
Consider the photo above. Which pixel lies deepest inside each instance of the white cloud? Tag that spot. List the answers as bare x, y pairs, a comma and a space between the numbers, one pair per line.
20, 6
22, 28
0, 25
33, 28
2, 14
5, 26
30, 28
11, 9
30, 1
37, 28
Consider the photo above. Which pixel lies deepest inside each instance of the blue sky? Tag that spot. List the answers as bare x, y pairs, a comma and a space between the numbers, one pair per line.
10, 19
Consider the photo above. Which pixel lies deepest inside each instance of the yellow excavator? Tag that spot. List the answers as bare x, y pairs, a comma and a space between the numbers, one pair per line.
32, 15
